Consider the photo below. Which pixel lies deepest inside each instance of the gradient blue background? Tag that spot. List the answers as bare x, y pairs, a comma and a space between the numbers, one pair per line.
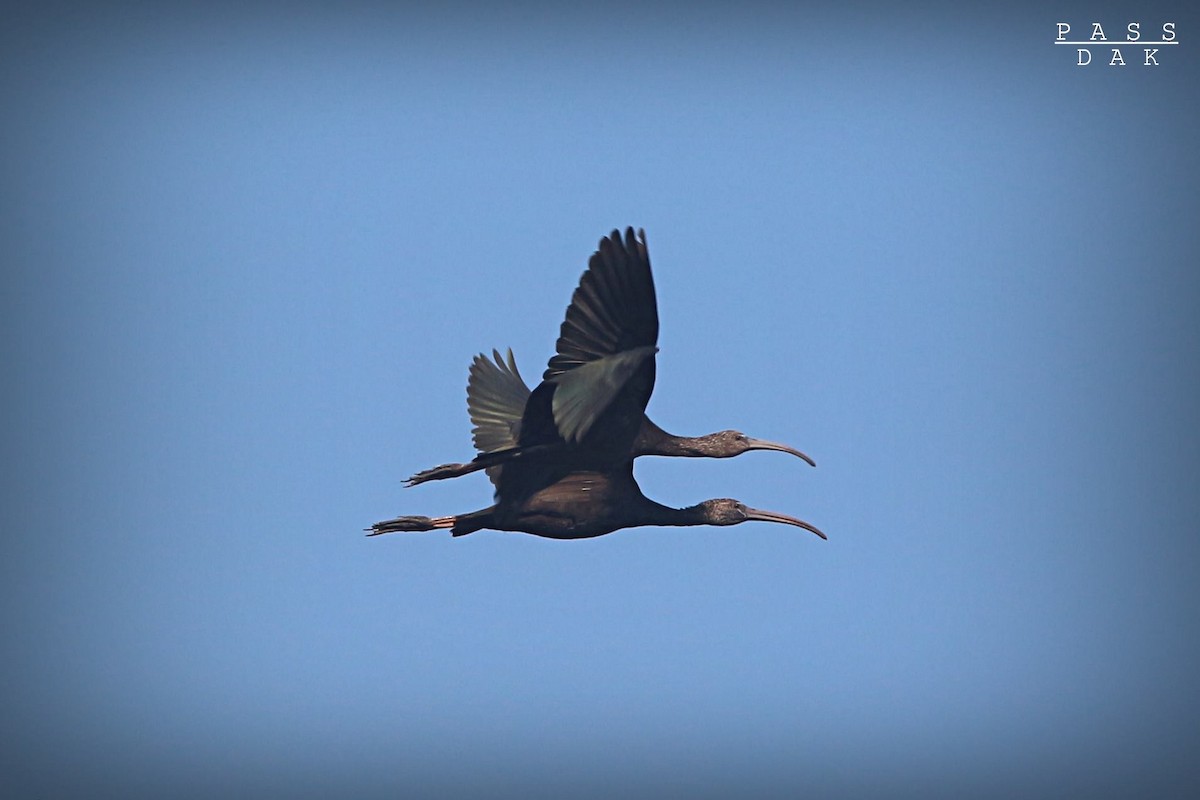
250, 250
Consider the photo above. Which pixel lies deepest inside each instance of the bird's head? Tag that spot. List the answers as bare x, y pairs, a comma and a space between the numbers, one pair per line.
725, 511
727, 444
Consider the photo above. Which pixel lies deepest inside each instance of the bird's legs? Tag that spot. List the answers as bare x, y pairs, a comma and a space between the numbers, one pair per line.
459, 524
481, 461
413, 524
441, 472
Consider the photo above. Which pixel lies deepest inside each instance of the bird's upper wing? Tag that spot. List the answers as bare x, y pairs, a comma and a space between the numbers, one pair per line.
611, 328
496, 396
613, 309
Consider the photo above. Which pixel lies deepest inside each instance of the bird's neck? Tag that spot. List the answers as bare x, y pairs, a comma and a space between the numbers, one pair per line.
658, 514
654, 441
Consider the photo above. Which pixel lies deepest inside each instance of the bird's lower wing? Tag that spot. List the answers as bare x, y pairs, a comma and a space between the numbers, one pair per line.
582, 394
496, 396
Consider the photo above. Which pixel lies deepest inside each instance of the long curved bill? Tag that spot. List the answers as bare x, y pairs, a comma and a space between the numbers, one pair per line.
774, 516
763, 444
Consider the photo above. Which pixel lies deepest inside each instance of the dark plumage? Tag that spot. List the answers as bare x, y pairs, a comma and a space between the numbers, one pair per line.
496, 397
561, 455
583, 504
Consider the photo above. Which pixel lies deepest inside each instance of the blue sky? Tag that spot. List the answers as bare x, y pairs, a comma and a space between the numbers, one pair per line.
249, 254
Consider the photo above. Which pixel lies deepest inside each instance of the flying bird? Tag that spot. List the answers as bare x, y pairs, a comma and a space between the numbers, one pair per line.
561, 455
582, 504
496, 398
605, 352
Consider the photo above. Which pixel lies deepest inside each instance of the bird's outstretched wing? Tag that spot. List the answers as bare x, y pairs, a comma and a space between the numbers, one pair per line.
496, 396
613, 309
610, 330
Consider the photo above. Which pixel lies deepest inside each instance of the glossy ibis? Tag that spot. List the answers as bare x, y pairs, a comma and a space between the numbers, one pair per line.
496, 398
583, 504
561, 456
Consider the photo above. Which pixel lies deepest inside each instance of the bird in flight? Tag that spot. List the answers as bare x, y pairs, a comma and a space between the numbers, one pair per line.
561, 455
496, 398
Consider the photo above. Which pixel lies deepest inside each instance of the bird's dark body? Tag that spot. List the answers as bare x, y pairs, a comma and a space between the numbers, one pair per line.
606, 446
579, 505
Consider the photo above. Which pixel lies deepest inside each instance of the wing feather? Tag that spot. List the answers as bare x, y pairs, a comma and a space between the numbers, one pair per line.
583, 393
614, 309
496, 396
